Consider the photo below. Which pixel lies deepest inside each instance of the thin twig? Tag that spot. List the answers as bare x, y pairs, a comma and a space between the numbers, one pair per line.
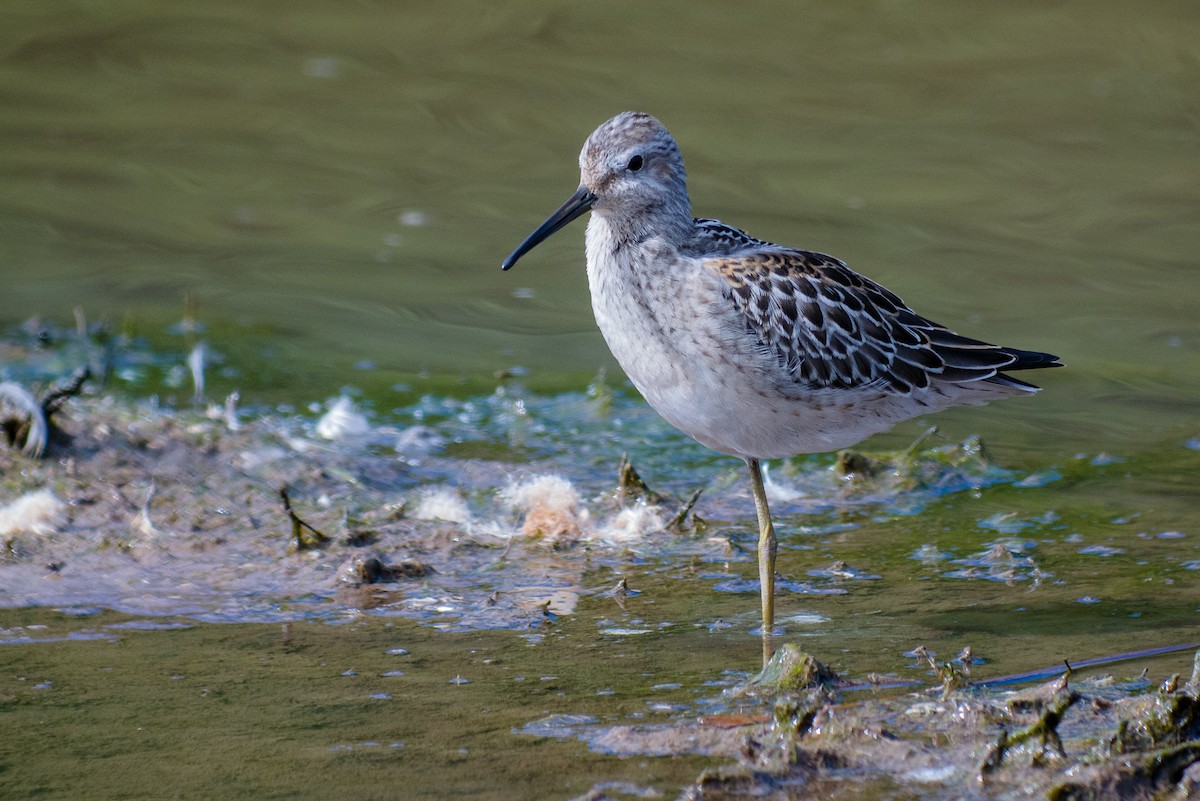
677, 522
298, 526
65, 390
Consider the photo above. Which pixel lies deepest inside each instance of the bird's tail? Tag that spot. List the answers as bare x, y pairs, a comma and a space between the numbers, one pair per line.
1024, 360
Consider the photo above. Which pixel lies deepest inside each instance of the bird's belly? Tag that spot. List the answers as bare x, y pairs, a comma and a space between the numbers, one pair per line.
730, 413
722, 390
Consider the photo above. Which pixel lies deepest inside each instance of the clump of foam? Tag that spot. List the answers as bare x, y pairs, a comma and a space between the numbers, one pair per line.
551, 508
633, 523
442, 503
39, 512
342, 421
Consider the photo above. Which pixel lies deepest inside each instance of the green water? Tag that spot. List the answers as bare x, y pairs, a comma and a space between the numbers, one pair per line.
315, 711
335, 185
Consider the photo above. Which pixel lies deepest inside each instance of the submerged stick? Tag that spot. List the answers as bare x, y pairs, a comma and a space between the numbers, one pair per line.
631, 486
318, 539
1045, 673
64, 390
676, 523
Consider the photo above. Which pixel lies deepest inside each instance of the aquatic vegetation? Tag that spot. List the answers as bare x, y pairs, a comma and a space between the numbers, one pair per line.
1048, 742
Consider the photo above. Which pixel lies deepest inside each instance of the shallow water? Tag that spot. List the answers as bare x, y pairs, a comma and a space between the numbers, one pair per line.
334, 187
360, 710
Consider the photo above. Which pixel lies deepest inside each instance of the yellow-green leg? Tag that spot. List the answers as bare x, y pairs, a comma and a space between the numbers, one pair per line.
767, 548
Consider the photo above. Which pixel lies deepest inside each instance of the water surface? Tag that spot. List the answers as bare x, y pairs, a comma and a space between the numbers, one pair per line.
334, 187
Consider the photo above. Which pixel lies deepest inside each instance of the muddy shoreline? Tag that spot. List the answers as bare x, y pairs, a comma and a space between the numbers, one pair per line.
186, 506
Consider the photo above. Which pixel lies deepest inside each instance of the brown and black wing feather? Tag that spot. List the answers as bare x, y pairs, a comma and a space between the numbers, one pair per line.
833, 328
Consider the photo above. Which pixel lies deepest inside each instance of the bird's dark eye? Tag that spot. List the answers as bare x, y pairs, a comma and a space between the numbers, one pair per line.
635, 163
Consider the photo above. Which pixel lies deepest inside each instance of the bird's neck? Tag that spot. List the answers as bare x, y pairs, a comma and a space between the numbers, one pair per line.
672, 225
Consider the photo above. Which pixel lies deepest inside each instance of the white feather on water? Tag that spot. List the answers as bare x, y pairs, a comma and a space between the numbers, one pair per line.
342, 421
39, 512
442, 503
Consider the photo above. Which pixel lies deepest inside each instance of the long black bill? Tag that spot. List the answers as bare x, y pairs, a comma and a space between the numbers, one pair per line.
575, 206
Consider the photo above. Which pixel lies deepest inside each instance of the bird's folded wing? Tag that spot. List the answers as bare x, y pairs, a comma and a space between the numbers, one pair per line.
833, 328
